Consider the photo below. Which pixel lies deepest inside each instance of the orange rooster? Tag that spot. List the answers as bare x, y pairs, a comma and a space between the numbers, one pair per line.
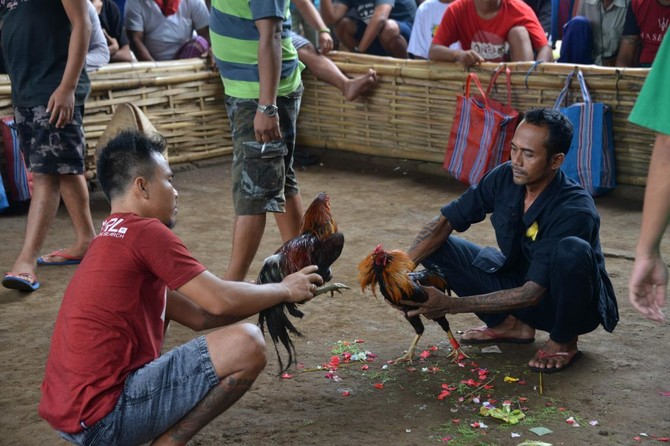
319, 243
393, 271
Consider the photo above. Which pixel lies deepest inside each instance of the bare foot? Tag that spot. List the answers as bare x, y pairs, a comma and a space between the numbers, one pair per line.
511, 330
554, 356
355, 87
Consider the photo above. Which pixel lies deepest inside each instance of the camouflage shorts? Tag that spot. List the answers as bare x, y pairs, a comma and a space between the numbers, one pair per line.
262, 174
47, 149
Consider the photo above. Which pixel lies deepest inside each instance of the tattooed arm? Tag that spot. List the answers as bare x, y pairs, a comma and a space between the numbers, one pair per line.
439, 304
430, 238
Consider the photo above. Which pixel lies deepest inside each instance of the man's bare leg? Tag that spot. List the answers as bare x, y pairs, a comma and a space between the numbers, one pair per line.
520, 47
247, 234
289, 222
74, 190
43, 207
238, 356
392, 41
326, 70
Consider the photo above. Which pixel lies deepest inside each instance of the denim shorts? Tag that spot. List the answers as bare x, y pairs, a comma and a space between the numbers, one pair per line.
262, 173
154, 398
47, 149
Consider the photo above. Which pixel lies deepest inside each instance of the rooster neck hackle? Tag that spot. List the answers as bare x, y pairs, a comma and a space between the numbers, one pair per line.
317, 219
388, 270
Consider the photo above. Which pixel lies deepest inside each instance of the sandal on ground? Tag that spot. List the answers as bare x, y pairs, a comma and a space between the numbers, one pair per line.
571, 357
67, 259
493, 337
20, 281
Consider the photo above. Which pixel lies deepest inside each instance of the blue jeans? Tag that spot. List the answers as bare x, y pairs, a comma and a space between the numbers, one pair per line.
154, 398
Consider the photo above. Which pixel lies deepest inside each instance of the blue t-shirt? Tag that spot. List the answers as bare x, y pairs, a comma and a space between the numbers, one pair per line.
563, 209
403, 10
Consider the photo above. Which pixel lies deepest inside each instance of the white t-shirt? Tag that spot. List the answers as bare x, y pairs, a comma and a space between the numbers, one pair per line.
164, 36
428, 16
98, 50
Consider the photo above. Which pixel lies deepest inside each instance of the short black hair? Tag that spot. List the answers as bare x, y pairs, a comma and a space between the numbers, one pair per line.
558, 125
125, 157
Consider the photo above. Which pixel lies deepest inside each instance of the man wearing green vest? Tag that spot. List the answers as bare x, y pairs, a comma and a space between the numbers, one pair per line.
251, 44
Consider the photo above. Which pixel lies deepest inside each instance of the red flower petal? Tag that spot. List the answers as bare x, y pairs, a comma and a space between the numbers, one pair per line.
379, 385
365, 367
345, 393
359, 341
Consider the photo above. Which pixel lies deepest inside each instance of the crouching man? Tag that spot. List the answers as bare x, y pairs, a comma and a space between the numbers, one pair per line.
106, 381
549, 271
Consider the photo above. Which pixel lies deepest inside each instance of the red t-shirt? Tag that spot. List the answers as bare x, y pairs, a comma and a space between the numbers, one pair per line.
111, 319
649, 20
462, 23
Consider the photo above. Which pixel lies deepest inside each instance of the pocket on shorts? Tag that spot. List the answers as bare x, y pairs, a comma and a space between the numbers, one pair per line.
264, 166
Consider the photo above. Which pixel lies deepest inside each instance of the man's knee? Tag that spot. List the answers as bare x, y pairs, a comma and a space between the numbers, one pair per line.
573, 254
237, 347
520, 47
346, 27
390, 31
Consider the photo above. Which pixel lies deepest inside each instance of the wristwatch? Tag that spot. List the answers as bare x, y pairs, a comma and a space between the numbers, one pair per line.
269, 110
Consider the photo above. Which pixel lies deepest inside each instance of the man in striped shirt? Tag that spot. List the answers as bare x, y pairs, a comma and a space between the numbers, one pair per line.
260, 69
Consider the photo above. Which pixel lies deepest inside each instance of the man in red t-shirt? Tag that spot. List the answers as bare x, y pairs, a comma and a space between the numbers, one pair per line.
106, 381
490, 31
643, 31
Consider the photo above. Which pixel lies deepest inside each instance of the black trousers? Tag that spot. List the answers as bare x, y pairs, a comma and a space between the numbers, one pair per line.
568, 308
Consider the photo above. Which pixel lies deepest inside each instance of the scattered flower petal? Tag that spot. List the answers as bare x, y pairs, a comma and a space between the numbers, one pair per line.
365, 367
510, 379
424, 354
515, 435
594, 422
379, 385
346, 393
359, 341
287, 376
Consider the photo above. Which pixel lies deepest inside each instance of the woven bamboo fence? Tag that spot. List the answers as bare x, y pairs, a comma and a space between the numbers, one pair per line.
182, 99
407, 115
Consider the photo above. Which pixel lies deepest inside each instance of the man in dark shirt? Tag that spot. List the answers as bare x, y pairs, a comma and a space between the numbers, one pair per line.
112, 25
549, 271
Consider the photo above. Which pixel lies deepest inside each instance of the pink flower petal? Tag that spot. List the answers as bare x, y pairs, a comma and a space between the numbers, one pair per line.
287, 376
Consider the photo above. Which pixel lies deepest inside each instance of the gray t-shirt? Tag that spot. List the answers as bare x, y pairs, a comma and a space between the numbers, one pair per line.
164, 36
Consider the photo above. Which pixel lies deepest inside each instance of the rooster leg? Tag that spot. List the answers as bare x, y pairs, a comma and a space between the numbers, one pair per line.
331, 288
457, 354
409, 356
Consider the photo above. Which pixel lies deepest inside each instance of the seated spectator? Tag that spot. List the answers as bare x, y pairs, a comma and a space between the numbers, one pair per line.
97, 55
593, 35
643, 31
542, 10
428, 17
379, 27
321, 66
112, 27
506, 30
164, 29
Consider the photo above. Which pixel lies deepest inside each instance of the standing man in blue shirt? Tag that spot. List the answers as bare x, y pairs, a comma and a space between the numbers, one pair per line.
549, 271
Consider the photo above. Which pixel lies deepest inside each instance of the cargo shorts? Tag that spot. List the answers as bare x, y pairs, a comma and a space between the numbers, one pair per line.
262, 173
47, 149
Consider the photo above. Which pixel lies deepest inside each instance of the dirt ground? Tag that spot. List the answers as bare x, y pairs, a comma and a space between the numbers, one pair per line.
618, 393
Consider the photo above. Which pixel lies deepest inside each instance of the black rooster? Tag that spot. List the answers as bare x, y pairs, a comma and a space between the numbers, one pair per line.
393, 272
319, 243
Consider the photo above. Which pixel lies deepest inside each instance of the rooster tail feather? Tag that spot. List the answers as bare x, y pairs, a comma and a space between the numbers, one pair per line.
280, 328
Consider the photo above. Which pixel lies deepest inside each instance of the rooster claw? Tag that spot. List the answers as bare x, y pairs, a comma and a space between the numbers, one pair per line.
331, 288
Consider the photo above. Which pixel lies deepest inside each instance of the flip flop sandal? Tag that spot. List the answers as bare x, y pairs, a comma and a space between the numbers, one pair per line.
20, 281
